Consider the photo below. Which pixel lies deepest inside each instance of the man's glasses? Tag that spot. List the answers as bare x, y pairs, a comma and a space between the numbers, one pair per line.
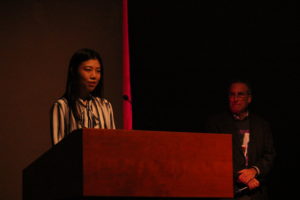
239, 95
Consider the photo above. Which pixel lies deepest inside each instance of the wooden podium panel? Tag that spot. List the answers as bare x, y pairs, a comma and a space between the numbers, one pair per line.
133, 163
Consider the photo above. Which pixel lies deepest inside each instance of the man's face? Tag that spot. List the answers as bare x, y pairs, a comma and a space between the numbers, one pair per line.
239, 98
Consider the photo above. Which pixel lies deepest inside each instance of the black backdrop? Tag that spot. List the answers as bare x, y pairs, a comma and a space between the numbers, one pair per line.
184, 52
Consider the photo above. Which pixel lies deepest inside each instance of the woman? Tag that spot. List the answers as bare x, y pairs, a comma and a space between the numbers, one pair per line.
81, 106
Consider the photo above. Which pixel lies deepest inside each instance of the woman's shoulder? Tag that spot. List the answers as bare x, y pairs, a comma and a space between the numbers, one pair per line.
61, 103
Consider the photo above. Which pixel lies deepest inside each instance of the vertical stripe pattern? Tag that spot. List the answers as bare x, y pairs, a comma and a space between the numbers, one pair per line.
96, 113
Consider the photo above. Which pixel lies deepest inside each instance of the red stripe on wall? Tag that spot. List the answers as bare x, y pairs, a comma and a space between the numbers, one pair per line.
127, 107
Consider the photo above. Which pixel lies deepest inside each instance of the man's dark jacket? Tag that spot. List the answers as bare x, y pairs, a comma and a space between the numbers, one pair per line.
261, 152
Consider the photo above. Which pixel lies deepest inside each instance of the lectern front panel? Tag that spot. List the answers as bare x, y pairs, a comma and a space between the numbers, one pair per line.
155, 163
93, 163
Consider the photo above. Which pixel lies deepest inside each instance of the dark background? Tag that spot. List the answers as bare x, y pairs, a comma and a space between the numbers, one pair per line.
183, 53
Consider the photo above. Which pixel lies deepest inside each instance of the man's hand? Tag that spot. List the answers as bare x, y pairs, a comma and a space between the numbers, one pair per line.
247, 176
253, 183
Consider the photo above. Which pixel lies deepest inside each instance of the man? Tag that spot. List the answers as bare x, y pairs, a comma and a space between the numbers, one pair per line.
253, 150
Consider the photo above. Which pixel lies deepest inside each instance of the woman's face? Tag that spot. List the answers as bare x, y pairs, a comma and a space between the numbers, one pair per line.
89, 76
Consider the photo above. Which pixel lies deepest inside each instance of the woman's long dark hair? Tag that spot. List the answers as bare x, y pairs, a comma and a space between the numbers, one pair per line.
72, 88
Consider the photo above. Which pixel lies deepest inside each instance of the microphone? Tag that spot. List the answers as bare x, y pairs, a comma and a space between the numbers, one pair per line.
241, 189
126, 98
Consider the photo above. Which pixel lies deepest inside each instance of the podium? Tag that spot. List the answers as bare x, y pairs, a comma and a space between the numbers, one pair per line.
102, 163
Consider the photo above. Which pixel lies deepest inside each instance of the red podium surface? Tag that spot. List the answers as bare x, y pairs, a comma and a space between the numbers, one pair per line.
132, 163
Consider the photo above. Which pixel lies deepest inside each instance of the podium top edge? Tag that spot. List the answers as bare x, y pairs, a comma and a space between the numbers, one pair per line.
91, 130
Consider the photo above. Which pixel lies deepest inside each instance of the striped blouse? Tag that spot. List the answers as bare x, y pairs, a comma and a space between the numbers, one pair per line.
96, 113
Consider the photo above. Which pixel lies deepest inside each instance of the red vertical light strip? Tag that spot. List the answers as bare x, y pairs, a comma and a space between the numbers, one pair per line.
127, 106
